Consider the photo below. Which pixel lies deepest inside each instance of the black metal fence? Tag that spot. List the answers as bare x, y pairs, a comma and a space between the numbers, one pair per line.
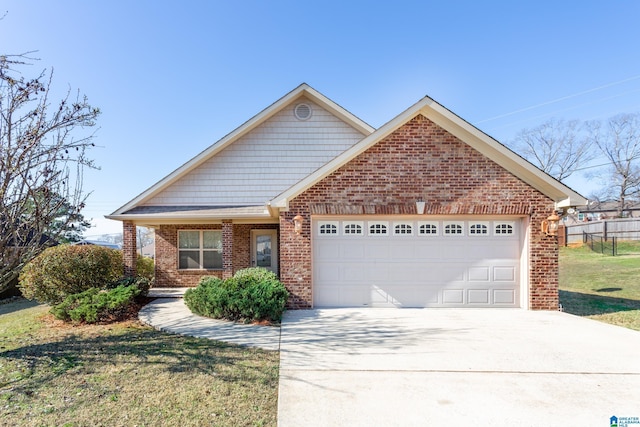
598, 243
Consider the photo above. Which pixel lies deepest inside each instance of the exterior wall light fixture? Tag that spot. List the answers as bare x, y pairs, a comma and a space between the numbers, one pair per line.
298, 220
550, 225
420, 204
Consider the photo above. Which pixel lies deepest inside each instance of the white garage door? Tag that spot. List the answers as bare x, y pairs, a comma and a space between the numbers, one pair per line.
382, 262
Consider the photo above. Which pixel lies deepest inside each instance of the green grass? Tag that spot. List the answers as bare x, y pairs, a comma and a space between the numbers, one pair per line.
126, 374
602, 287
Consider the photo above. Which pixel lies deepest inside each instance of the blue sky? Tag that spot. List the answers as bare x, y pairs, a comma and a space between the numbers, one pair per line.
173, 77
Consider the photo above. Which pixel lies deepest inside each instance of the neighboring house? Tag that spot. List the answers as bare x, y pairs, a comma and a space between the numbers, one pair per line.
109, 245
597, 210
315, 194
148, 251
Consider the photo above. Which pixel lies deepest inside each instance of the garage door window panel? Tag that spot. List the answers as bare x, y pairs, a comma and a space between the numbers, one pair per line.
378, 228
403, 229
478, 229
503, 228
454, 228
428, 229
353, 228
328, 228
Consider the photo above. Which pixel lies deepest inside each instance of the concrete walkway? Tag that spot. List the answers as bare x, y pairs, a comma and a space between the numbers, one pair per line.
172, 315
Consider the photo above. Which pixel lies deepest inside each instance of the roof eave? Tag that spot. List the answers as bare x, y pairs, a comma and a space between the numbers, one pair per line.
191, 219
555, 190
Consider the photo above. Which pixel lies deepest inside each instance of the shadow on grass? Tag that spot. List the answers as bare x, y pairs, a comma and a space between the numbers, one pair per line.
11, 305
132, 350
587, 304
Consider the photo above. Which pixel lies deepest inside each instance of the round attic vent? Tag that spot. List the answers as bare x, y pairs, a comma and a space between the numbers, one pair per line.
302, 111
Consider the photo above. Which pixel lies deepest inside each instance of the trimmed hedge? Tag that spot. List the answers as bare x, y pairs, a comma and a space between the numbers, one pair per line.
95, 305
145, 267
252, 294
64, 270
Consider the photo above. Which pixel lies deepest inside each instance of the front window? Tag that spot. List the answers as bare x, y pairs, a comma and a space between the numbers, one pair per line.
199, 249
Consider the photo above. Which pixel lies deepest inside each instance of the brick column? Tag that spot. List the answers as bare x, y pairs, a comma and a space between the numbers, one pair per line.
295, 258
227, 248
129, 248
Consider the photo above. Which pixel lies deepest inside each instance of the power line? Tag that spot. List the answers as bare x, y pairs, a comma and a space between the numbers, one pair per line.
593, 166
559, 99
551, 113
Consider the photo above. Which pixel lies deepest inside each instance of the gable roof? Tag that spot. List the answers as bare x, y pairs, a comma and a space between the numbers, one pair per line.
562, 195
132, 209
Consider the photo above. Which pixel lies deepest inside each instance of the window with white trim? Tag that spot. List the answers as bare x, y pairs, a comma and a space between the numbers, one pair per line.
378, 228
503, 228
478, 228
353, 228
328, 228
199, 249
403, 229
453, 229
428, 228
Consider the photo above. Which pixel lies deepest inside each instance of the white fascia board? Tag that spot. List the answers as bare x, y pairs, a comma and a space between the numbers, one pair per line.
572, 202
176, 219
152, 223
361, 126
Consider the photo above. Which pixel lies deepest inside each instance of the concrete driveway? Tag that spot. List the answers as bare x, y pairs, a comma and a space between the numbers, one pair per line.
462, 367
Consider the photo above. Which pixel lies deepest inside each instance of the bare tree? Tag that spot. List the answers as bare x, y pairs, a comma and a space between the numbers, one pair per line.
556, 146
41, 164
146, 236
619, 141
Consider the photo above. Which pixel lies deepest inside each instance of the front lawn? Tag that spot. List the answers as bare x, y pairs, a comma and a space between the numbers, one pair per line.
601, 287
126, 374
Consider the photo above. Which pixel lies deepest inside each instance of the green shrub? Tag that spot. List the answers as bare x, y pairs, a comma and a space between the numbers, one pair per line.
211, 298
95, 305
141, 283
69, 269
255, 274
145, 267
252, 294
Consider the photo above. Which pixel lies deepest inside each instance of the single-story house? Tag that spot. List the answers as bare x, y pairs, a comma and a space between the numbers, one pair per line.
600, 210
425, 211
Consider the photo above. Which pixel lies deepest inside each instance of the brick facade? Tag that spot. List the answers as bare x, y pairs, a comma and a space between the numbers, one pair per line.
227, 249
236, 241
420, 160
129, 248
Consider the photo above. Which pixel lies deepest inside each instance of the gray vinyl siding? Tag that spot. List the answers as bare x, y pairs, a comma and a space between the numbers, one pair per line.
265, 162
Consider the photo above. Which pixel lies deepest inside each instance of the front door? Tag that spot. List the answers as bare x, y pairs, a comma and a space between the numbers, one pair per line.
264, 249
